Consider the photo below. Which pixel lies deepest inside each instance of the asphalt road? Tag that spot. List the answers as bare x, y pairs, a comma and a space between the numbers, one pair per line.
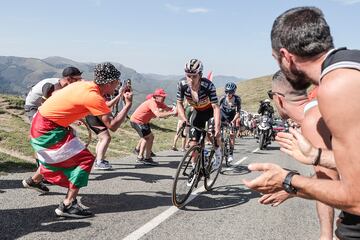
134, 202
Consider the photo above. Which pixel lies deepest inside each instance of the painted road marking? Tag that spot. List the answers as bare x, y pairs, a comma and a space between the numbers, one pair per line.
156, 221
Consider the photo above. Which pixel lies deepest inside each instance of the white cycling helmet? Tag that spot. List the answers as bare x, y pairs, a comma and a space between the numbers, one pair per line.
194, 66
266, 101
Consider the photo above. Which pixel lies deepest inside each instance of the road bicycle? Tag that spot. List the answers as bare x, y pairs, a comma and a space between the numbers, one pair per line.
187, 177
226, 129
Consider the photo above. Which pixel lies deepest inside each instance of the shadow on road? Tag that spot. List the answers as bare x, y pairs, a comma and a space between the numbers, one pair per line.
10, 184
126, 201
235, 170
130, 176
222, 197
272, 148
16, 223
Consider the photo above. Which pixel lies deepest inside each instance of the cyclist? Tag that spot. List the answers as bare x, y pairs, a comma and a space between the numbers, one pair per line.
230, 106
265, 108
200, 93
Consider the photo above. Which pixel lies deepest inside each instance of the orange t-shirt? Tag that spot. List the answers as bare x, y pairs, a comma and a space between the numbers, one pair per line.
313, 93
145, 112
74, 102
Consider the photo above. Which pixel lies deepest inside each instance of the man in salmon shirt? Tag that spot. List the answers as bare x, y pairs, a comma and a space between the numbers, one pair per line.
63, 159
140, 121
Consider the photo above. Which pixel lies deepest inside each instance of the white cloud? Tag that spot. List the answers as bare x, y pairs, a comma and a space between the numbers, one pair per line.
198, 10
172, 7
347, 2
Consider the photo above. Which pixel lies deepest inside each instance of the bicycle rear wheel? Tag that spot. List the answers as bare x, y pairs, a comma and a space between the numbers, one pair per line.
225, 152
211, 174
186, 177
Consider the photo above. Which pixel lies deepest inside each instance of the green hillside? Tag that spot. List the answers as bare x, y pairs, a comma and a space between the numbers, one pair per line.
252, 91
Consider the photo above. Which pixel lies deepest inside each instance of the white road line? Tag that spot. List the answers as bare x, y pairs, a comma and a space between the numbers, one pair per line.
156, 221
240, 161
153, 223
257, 149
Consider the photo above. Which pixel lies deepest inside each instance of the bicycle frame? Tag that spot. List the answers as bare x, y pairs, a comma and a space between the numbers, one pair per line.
201, 165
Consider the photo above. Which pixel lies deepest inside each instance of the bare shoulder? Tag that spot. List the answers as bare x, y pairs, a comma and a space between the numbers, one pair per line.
315, 129
312, 117
339, 99
338, 84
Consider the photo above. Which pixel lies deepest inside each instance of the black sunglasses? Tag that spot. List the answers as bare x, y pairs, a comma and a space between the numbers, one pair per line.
271, 94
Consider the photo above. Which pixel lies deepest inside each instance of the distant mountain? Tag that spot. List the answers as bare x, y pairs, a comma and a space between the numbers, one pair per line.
219, 80
19, 74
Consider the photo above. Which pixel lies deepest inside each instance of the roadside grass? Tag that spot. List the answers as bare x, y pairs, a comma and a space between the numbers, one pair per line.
14, 102
14, 134
251, 92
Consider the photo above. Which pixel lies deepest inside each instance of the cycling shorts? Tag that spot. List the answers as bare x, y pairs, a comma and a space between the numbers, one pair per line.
95, 124
142, 129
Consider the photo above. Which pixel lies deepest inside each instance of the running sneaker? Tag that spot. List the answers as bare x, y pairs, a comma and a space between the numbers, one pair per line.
174, 148
149, 161
74, 210
230, 158
40, 186
103, 165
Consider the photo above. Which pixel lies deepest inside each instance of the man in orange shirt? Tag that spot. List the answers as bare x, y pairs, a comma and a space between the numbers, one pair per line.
64, 160
140, 121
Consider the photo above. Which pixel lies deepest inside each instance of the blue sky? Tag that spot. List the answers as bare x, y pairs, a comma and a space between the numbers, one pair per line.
158, 36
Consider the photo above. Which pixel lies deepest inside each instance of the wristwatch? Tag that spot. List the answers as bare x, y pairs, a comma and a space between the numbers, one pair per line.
287, 182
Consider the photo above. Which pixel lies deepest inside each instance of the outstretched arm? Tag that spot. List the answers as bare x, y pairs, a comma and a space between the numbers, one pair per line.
341, 85
114, 123
297, 146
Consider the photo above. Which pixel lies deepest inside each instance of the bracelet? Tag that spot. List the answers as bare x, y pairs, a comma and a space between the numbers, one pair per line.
317, 159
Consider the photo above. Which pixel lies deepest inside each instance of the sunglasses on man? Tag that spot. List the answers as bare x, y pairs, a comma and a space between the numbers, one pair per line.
271, 94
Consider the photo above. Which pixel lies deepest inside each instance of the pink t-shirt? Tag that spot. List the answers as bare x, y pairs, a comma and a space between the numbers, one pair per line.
145, 112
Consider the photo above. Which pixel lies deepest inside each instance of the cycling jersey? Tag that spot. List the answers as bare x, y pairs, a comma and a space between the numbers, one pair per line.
206, 94
229, 108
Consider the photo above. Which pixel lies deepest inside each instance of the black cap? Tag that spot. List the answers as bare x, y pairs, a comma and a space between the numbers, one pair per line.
71, 71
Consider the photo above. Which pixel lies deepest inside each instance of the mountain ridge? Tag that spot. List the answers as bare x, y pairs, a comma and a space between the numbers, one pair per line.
19, 74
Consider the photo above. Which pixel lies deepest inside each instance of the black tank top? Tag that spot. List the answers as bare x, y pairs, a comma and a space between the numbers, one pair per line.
340, 58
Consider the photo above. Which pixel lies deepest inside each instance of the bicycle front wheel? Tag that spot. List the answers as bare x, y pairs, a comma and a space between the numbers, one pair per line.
211, 173
186, 177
